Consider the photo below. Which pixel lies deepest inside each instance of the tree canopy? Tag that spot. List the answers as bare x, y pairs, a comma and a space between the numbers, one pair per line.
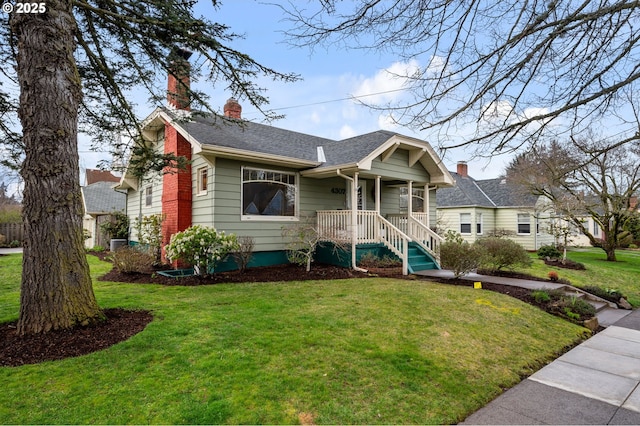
501, 73
583, 181
75, 63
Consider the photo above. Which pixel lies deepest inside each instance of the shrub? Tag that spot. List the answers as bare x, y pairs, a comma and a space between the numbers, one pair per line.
608, 294
129, 260
150, 235
302, 241
14, 244
96, 248
370, 260
503, 253
633, 246
553, 275
460, 257
577, 306
202, 247
117, 227
549, 251
541, 296
2, 240
245, 251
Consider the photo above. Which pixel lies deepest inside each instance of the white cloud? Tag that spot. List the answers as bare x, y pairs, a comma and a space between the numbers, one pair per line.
387, 85
347, 131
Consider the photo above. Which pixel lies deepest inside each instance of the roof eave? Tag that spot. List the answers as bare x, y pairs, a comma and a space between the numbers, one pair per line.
256, 157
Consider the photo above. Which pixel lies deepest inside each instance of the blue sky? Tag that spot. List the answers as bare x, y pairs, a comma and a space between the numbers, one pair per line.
315, 105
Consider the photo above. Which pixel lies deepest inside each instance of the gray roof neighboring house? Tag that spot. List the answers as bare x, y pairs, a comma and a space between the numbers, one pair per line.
101, 198
490, 193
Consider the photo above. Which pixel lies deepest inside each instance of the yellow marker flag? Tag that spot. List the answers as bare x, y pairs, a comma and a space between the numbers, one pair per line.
477, 284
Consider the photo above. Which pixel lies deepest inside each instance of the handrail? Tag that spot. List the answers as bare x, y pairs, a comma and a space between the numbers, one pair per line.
424, 236
396, 240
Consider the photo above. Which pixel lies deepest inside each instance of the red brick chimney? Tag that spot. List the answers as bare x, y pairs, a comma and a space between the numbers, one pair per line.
176, 184
462, 169
179, 79
232, 109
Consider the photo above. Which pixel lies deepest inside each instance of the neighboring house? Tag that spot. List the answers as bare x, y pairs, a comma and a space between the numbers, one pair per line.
477, 208
100, 201
252, 179
95, 175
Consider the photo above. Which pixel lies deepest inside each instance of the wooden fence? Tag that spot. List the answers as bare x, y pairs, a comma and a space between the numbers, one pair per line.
11, 232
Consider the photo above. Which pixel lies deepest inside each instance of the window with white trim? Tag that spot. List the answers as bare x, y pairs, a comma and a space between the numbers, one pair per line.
148, 196
479, 223
202, 176
269, 194
596, 229
524, 223
465, 223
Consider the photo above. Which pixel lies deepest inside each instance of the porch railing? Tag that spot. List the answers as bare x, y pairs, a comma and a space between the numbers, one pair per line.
336, 225
415, 226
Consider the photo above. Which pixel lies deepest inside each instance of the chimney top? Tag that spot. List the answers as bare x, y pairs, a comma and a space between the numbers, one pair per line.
232, 109
462, 169
178, 83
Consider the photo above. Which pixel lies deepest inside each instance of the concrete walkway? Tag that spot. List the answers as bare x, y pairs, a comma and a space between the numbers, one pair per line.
10, 250
597, 382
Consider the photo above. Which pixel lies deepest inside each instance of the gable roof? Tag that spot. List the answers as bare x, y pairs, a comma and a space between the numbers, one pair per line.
314, 156
101, 198
490, 193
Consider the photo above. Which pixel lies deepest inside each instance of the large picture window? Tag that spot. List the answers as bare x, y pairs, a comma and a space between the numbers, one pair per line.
524, 223
268, 194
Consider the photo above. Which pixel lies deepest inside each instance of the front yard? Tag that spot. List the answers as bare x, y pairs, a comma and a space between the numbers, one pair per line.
363, 350
621, 275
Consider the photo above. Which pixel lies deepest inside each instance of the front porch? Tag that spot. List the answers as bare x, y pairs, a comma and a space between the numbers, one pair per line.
407, 235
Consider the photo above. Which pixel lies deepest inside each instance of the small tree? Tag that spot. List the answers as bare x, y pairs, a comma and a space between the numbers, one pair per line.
562, 231
458, 255
150, 235
244, 253
303, 240
202, 247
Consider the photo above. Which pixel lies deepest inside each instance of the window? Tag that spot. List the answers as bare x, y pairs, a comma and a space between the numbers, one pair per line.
148, 196
465, 223
596, 229
268, 194
524, 223
202, 181
479, 223
417, 201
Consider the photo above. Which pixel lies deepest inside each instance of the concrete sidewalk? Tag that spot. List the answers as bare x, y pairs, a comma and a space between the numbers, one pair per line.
597, 382
10, 250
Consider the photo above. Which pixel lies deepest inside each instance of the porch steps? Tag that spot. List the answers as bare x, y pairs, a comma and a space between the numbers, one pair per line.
419, 260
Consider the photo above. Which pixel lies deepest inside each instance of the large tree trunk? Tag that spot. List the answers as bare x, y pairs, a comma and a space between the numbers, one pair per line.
56, 291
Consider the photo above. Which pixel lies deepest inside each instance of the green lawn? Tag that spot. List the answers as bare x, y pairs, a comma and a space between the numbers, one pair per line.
623, 275
349, 351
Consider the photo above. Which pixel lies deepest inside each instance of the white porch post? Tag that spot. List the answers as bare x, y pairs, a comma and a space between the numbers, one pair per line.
377, 226
378, 194
425, 205
354, 217
409, 198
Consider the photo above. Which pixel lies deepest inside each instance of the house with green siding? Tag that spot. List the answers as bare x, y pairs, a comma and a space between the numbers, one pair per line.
253, 179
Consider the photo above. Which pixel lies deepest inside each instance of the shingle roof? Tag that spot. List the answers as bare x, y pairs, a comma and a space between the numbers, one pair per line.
100, 197
266, 139
482, 193
254, 137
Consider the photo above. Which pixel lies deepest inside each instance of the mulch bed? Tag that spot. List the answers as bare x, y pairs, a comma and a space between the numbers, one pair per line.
119, 325
122, 324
